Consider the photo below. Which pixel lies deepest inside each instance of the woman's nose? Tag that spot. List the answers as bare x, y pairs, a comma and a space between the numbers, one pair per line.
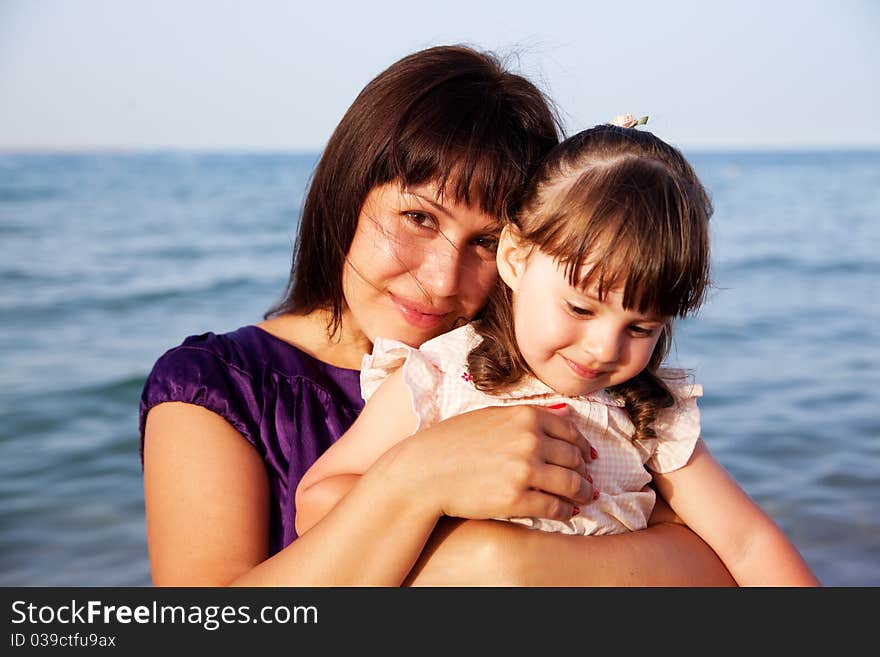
442, 269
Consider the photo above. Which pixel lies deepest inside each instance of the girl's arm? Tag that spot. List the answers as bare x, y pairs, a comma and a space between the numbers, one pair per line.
207, 510
752, 546
386, 419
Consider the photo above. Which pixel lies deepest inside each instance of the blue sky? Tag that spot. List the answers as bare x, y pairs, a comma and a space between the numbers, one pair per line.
275, 75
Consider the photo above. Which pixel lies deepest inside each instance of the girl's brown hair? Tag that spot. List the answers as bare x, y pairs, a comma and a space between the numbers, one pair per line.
450, 115
620, 209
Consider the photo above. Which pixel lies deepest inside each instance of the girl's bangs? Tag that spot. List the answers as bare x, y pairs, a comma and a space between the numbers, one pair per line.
618, 262
627, 241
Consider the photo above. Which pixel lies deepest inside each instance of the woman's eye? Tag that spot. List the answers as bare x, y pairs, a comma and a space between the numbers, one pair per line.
487, 242
420, 219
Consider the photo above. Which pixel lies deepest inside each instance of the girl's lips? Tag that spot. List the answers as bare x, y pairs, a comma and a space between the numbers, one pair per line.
583, 372
419, 315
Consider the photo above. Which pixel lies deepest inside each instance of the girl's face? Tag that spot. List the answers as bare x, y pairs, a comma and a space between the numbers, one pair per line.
571, 340
418, 264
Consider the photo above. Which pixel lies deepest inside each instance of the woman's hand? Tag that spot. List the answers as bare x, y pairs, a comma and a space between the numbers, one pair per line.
498, 462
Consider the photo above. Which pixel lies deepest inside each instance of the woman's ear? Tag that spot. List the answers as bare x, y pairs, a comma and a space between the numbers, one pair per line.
511, 256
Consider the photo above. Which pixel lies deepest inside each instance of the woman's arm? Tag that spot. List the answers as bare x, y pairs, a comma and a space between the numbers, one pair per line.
207, 510
490, 553
207, 514
753, 547
382, 425
494, 553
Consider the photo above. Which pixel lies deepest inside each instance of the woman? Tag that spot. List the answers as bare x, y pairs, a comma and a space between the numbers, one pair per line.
396, 240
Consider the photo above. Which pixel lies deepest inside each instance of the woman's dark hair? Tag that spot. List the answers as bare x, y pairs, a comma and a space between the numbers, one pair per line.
620, 209
450, 115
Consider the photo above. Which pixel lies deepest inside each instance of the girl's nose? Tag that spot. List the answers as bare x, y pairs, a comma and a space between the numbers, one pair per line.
603, 344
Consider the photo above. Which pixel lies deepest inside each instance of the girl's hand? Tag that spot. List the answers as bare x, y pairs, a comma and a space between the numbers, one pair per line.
499, 462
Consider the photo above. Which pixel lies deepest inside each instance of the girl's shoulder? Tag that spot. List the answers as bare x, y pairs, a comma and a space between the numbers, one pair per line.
680, 383
457, 341
446, 349
678, 427
426, 369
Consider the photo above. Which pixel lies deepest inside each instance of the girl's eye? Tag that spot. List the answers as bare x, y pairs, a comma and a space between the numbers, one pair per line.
578, 311
642, 331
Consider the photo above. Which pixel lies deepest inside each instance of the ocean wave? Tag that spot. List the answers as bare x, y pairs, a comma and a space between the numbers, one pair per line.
800, 266
117, 389
120, 299
21, 195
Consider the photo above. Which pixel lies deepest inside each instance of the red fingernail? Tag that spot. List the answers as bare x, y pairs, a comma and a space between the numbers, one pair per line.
594, 453
589, 478
562, 405
575, 511
595, 495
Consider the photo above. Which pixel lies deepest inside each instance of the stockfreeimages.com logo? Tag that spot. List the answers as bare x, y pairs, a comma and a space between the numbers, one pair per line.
211, 617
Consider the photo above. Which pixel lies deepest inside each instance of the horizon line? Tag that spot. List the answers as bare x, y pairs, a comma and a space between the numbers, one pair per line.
302, 150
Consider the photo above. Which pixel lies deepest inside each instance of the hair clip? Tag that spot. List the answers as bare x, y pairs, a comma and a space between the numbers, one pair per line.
628, 121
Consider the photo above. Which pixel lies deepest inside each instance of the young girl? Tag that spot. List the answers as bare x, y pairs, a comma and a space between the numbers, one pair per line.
611, 245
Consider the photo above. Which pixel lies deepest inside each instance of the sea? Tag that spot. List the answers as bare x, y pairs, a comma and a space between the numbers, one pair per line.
108, 259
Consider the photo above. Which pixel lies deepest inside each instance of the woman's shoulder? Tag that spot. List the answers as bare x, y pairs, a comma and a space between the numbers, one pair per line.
242, 374
250, 351
233, 349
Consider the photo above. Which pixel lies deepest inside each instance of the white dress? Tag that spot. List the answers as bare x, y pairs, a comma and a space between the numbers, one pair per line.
440, 387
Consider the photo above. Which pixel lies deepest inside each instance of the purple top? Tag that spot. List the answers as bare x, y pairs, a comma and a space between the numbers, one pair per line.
290, 406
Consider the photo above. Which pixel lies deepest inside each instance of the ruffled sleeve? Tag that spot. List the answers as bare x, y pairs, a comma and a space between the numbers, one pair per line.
198, 376
678, 427
422, 375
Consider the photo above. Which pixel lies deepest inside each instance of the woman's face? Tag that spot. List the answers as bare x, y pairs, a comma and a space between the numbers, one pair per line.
419, 263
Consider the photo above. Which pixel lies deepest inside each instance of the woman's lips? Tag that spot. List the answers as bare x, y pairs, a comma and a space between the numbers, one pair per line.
583, 372
419, 315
